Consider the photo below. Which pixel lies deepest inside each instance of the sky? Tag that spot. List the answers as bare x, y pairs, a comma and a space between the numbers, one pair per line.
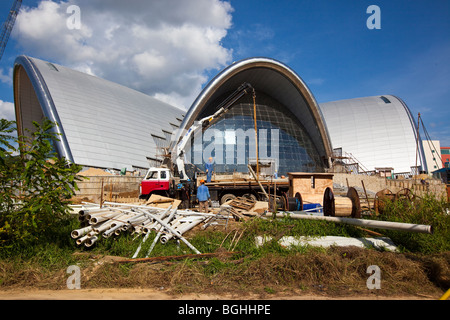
170, 49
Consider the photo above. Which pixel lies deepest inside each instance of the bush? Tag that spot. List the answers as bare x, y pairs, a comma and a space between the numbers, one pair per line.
35, 187
427, 210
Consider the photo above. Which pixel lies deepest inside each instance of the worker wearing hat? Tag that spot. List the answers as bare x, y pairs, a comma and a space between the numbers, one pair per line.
209, 166
203, 196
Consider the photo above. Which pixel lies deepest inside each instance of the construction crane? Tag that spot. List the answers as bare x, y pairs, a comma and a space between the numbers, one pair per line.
205, 122
8, 25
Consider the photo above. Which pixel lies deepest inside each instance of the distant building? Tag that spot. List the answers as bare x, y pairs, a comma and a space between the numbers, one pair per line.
445, 155
377, 131
432, 149
103, 124
107, 125
292, 133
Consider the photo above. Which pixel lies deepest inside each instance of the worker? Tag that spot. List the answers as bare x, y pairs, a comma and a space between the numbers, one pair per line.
209, 166
185, 197
203, 197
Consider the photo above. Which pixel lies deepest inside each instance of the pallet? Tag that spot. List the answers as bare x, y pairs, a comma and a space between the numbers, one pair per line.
242, 203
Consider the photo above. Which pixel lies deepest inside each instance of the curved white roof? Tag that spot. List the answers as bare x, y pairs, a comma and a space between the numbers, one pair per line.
274, 79
378, 131
104, 124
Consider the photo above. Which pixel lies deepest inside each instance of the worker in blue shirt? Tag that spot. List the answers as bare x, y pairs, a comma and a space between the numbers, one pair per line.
203, 196
209, 166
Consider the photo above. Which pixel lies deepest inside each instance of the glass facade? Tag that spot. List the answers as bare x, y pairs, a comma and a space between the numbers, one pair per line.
230, 141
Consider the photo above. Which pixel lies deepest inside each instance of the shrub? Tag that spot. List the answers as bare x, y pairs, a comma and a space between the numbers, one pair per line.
35, 187
427, 210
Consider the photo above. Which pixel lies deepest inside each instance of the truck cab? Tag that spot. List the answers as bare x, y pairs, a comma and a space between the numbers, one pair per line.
156, 181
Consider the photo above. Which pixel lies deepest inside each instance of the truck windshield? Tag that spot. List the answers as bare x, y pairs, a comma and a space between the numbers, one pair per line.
152, 175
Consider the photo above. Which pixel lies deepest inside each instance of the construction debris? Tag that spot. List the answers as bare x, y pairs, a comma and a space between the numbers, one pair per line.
161, 215
242, 203
115, 218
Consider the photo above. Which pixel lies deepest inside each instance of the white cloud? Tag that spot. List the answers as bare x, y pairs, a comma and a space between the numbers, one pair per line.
6, 78
7, 110
162, 48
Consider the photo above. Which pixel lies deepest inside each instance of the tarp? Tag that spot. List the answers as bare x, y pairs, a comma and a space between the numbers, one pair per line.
328, 241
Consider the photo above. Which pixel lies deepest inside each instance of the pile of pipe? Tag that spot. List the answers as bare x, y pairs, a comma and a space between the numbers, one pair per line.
115, 218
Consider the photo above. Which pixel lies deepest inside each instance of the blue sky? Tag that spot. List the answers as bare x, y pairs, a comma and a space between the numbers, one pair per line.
326, 42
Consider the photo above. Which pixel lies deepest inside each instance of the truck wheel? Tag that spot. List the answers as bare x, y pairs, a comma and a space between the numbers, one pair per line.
250, 196
227, 197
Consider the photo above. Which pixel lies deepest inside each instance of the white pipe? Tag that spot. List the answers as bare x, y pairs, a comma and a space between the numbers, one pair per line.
400, 226
100, 214
136, 217
90, 242
83, 239
184, 227
97, 219
113, 228
174, 232
148, 234
103, 226
160, 232
80, 232
93, 211
137, 221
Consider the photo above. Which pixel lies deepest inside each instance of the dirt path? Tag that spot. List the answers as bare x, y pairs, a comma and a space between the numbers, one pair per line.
150, 294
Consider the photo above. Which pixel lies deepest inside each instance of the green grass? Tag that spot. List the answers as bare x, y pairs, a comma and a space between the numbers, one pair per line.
427, 210
49, 257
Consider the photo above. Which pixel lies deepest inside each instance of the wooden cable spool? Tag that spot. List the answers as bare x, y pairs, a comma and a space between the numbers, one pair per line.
342, 206
381, 198
293, 203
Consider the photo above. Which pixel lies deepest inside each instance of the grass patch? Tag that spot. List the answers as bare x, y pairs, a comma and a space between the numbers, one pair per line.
427, 210
270, 269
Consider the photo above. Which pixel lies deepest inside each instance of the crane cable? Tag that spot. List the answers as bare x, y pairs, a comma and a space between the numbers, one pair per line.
427, 136
256, 132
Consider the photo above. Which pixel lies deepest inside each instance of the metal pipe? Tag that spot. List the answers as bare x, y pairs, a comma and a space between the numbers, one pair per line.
174, 232
148, 234
90, 242
83, 239
103, 226
182, 228
399, 226
92, 211
89, 216
80, 232
113, 228
97, 219
160, 232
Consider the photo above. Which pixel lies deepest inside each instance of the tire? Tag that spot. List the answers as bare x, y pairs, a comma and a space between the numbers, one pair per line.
227, 197
250, 196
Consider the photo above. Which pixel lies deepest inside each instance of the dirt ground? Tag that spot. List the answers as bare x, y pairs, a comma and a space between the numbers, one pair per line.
150, 294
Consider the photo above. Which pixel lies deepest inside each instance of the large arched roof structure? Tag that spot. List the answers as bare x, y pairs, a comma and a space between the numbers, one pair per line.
103, 124
378, 131
271, 79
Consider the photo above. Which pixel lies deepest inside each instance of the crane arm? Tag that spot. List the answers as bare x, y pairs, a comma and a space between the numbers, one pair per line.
223, 107
8, 25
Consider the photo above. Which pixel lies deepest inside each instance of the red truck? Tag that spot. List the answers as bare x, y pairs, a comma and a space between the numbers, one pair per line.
162, 182
156, 181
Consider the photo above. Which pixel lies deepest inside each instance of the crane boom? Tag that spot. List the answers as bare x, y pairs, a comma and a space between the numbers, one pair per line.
242, 90
8, 25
